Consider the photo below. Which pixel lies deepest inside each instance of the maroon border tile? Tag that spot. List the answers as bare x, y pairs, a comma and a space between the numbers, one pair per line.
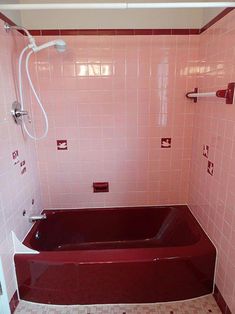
6, 19
162, 31
106, 32
112, 32
216, 19
69, 32
14, 302
220, 301
86, 32
143, 31
109, 32
125, 31
50, 32
36, 32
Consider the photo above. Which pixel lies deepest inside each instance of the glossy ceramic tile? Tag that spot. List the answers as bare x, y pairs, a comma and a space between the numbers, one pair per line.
114, 99
202, 305
212, 179
18, 167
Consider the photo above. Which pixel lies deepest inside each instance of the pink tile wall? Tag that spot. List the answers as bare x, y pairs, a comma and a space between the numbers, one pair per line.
16, 190
114, 98
212, 197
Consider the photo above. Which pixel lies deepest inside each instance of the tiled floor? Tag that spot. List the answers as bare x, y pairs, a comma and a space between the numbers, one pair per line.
198, 306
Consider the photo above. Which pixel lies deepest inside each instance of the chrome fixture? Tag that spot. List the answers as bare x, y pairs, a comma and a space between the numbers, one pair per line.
18, 108
36, 218
17, 113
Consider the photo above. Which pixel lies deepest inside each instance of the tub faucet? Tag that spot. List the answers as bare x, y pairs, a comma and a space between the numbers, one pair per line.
36, 218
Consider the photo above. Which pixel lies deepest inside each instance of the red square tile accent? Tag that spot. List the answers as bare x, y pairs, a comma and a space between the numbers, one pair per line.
99, 187
15, 156
166, 142
62, 145
23, 170
22, 163
210, 168
205, 151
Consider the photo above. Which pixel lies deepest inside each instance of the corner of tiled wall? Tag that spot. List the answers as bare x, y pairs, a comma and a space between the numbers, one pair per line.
212, 178
19, 184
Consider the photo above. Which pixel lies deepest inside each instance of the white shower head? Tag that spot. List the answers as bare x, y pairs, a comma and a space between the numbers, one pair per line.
59, 44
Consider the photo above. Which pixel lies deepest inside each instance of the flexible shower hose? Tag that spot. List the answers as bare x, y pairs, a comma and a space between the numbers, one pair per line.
34, 92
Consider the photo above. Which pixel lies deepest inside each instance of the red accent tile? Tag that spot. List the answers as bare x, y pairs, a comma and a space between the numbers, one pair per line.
220, 301
15, 157
216, 19
15, 154
22, 163
23, 170
166, 142
62, 145
100, 187
210, 168
205, 151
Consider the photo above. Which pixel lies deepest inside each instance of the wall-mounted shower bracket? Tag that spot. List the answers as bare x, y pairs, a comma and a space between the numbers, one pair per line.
17, 113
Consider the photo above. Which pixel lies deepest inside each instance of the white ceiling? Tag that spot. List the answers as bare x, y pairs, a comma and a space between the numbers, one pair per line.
80, 19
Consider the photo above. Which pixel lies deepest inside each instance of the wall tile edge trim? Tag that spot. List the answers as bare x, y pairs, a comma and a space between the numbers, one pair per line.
112, 32
220, 301
216, 19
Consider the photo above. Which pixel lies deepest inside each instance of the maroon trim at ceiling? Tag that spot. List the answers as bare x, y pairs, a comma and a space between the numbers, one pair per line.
4, 18
14, 302
216, 19
111, 32
221, 302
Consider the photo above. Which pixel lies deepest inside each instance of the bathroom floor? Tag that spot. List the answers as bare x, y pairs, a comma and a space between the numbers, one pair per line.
202, 305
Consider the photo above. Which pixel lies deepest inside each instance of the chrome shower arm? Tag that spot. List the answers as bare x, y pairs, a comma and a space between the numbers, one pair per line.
8, 27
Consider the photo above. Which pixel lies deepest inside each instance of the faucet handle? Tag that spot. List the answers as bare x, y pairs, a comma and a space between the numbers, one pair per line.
18, 113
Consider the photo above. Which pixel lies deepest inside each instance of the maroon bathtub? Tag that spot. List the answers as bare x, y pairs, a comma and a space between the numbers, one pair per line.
116, 255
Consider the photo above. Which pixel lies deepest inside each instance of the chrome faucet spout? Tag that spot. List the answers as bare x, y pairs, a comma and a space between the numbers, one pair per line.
36, 218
